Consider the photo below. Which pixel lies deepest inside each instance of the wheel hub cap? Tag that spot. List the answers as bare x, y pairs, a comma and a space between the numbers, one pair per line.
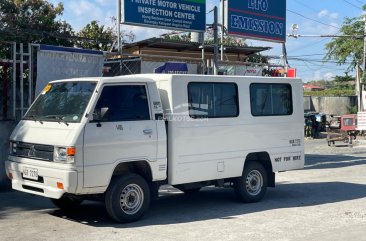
131, 199
254, 182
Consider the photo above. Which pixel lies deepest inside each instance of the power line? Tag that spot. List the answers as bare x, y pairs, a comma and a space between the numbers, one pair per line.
314, 20
360, 2
307, 55
352, 4
308, 45
303, 4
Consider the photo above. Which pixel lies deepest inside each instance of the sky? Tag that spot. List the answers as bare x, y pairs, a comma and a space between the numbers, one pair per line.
314, 17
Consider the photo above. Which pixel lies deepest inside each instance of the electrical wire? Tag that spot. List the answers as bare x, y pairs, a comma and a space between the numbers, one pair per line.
311, 19
349, 3
306, 6
360, 2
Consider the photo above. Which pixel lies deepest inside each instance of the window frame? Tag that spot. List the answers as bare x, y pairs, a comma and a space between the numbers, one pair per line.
100, 91
260, 83
212, 83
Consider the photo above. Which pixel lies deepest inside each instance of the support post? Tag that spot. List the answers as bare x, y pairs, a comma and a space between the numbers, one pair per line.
363, 78
216, 45
14, 80
21, 85
222, 9
30, 75
285, 60
119, 26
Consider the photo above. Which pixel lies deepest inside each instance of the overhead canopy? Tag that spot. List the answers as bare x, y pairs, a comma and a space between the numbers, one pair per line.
176, 45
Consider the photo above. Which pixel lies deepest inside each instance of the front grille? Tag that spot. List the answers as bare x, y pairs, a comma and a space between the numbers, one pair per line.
34, 189
34, 151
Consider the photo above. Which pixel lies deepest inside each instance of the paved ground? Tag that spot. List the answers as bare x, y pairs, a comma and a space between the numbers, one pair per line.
325, 201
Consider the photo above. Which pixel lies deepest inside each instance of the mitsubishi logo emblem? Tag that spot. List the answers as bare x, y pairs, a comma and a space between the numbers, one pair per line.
32, 151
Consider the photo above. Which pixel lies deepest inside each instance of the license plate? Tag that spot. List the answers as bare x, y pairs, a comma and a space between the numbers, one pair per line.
30, 173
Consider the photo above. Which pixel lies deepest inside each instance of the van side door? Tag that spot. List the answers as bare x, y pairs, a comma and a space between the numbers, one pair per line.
125, 131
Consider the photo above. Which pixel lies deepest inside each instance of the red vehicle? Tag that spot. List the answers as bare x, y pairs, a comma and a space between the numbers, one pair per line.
344, 129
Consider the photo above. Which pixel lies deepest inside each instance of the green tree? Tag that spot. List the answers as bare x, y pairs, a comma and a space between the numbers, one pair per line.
100, 37
346, 50
103, 36
343, 79
34, 21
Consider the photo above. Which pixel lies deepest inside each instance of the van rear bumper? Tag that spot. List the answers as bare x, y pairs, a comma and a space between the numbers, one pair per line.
47, 183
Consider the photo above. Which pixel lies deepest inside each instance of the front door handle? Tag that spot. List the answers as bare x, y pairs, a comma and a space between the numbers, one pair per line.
147, 131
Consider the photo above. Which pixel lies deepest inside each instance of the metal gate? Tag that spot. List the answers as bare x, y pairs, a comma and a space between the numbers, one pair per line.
17, 74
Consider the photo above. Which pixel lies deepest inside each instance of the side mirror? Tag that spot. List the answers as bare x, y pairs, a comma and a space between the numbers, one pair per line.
99, 114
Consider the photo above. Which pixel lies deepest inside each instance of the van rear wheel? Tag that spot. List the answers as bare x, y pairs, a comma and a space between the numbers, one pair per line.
127, 198
252, 185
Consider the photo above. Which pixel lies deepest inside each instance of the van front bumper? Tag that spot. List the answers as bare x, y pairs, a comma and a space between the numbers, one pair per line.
48, 183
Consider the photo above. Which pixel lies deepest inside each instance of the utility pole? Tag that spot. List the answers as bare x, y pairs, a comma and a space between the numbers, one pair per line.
222, 9
119, 26
216, 45
285, 60
360, 84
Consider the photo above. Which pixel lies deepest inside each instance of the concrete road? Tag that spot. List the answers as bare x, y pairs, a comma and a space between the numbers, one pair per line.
325, 201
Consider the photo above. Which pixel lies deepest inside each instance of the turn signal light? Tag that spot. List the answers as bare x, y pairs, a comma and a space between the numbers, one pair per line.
71, 151
10, 175
60, 185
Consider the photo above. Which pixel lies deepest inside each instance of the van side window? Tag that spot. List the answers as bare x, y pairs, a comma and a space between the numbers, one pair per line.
124, 103
212, 100
270, 99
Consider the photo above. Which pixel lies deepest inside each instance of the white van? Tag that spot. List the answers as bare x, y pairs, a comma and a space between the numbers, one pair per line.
121, 138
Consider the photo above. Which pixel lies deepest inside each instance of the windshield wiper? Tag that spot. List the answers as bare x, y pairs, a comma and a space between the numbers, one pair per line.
32, 117
59, 118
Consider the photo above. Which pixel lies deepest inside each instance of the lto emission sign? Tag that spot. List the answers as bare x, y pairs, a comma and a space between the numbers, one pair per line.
257, 19
172, 14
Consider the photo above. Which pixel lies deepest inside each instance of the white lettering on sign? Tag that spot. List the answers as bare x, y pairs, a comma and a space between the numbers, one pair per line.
256, 25
147, 2
261, 5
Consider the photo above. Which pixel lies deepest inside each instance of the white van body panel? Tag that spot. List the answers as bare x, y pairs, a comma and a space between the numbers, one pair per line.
179, 150
216, 148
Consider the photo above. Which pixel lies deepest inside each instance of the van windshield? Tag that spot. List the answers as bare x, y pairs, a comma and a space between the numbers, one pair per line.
61, 102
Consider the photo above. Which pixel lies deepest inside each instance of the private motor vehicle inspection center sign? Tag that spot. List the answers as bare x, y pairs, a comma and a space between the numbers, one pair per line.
257, 19
187, 15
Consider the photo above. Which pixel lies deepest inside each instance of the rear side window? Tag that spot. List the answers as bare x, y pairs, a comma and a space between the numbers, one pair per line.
271, 99
124, 103
212, 100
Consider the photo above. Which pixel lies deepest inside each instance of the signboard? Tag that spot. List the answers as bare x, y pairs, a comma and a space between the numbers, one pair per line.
257, 19
189, 15
54, 63
172, 68
361, 121
291, 73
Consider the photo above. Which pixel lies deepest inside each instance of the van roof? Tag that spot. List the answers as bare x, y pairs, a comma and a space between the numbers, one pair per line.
124, 78
148, 78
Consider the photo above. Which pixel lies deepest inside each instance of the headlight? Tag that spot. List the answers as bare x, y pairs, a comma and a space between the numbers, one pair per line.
64, 154
12, 148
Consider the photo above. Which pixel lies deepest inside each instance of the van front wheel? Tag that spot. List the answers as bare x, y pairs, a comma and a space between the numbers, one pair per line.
252, 185
127, 198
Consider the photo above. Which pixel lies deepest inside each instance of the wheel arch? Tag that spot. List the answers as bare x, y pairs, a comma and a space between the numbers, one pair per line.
264, 159
140, 167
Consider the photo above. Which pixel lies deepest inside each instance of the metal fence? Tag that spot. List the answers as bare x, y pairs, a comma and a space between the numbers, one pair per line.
136, 64
17, 73
144, 63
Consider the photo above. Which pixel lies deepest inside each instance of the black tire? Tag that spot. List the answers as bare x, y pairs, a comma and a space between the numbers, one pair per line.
122, 189
67, 202
191, 190
252, 185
